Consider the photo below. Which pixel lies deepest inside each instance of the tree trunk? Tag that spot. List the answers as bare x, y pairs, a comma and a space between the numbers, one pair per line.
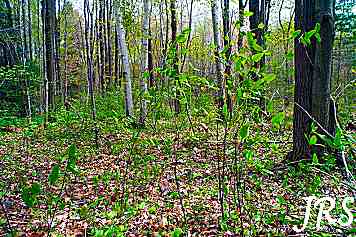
65, 89
227, 48
57, 38
218, 65
117, 59
144, 59
102, 47
175, 57
323, 63
24, 35
190, 27
108, 24
126, 64
50, 12
312, 72
29, 29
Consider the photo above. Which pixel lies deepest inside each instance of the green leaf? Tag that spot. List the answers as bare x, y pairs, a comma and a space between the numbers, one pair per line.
225, 110
269, 77
244, 130
261, 26
177, 232
295, 34
72, 152
27, 198
317, 27
257, 57
257, 47
248, 13
313, 140
277, 119
54, 175
315, 159
146, 74
35, 188
318, 38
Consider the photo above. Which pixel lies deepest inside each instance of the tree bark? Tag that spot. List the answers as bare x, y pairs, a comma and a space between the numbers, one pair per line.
218, 64
50, 12
29, 29
144, 59
126, 64
108, 25
175, 57
24, 35
227, 48
65, 89
102, 46
312, 72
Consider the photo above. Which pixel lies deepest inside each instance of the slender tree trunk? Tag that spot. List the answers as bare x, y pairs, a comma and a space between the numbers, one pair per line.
117, 59
175, 57
126, 64
57, 52
24, 26
105, 39
88, 21
149, 55
38, 50
97, 41
102, 46
29, 29
144, 59
50, 49
190, 27
65, 89
108, 23
218, 65
227, 48
161, 40
167, 33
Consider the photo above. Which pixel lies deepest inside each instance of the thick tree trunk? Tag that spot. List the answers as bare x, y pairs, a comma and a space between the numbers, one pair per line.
312, 72
322, 69
126, 64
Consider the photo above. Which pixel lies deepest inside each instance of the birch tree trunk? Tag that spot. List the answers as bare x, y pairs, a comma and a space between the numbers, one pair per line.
29, 18
126, 63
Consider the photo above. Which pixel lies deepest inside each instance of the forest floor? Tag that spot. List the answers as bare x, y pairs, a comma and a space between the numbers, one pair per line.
158, 183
